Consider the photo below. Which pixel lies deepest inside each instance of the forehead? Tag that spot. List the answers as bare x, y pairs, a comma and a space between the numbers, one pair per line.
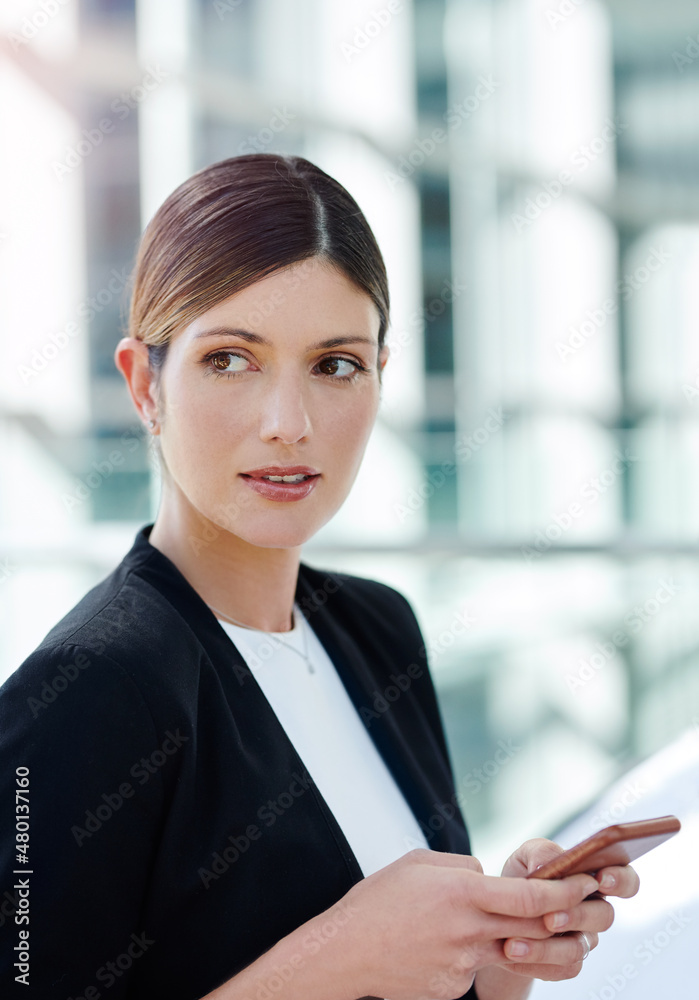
306, 300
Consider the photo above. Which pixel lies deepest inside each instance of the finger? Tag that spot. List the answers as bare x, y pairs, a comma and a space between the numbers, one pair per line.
549, 973
564, 950
530, 856
497, 927
518, 897
539, 851
592, 915
620, 881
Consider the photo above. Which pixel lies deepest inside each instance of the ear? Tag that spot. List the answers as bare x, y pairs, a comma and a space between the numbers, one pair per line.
383, 356
131, 358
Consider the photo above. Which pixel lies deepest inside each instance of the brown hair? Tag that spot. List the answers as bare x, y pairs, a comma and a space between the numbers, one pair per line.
237, 221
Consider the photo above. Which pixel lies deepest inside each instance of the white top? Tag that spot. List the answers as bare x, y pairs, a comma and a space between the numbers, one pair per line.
332, 741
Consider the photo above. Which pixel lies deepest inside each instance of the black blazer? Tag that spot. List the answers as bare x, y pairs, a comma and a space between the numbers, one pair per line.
174, 832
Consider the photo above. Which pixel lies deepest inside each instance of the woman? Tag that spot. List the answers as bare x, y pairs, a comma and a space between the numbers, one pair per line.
217, 807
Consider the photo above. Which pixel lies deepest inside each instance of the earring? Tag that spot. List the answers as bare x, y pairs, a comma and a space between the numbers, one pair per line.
151, 423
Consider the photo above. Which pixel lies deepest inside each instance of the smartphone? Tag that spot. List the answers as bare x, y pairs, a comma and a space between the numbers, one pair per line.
615, 845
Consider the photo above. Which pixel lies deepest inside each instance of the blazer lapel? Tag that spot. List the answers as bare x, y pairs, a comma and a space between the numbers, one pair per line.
362, 682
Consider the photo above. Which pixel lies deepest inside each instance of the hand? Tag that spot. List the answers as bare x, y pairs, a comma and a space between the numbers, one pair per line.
561, 955
423, 925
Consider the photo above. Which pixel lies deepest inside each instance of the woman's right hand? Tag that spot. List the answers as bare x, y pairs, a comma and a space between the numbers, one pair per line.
422, 926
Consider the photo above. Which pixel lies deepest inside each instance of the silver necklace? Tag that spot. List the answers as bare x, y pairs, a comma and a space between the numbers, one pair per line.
305, 656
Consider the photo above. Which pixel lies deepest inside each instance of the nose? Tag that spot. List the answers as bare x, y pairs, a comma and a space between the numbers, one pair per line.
284, 414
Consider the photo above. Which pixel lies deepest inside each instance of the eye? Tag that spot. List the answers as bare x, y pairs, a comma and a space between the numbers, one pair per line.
217, 363
335, 360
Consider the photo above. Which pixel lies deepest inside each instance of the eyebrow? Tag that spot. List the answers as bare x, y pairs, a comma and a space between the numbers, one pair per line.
255, 338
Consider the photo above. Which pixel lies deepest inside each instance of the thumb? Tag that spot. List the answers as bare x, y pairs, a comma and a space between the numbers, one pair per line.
530, 856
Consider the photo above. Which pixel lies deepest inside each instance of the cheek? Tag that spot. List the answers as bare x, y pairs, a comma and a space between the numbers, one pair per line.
200, 431
347, 431
205, 411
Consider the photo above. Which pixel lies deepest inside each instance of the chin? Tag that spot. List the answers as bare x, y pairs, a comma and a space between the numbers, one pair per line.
266, 537
267, 529
274, 526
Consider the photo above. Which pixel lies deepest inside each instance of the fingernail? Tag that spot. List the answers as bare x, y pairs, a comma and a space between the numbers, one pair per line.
519, 948
608, 881
560, 920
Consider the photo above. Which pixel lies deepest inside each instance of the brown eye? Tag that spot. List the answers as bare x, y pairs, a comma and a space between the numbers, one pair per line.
334, 361
220, 363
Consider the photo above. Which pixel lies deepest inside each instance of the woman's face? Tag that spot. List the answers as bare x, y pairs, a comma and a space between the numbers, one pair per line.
283, 373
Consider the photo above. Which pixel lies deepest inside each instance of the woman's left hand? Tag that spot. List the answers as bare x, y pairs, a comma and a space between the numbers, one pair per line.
561, 955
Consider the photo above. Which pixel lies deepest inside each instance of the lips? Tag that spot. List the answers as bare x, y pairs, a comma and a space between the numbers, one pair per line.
281, 470
279, 490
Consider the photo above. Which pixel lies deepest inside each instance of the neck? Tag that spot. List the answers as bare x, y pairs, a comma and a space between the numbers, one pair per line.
234, 621
253, 584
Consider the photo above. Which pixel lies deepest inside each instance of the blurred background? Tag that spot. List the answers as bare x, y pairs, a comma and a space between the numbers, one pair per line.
529, 168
